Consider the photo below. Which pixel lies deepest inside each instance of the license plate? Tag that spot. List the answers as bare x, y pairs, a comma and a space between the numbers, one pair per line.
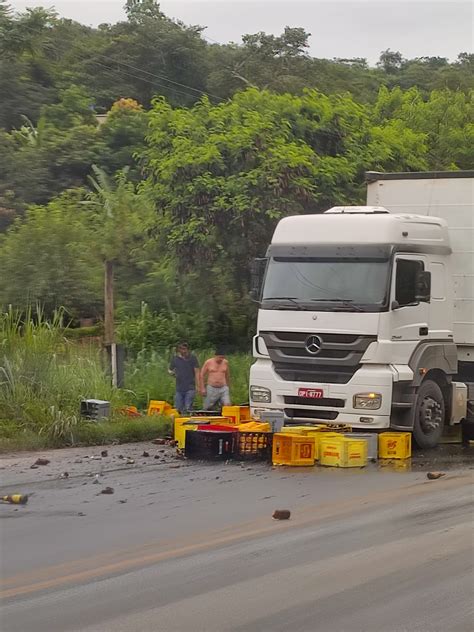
311, 393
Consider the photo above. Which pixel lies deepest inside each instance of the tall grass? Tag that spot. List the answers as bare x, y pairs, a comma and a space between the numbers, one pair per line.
43, 376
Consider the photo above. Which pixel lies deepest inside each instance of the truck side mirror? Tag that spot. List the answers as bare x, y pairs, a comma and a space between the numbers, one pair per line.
423, 286
257, 270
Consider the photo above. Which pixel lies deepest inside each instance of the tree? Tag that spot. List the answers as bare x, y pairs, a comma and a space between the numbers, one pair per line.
47, 259
123, 134
390, 61
121, 217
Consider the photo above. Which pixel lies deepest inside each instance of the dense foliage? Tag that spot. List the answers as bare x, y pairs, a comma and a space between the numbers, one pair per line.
143, 143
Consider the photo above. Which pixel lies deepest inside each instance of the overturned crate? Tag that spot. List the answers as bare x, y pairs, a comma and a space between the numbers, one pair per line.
211, 445
254, 446
292, 449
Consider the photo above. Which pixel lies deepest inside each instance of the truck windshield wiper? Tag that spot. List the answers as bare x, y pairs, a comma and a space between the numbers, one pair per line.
284, 298
343, 301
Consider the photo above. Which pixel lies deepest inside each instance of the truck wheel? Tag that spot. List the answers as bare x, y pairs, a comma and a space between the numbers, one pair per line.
429, 415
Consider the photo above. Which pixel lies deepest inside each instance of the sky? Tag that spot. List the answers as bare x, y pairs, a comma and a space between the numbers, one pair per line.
339, 28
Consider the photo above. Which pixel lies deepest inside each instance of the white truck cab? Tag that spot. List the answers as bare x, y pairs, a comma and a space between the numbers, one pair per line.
367, 313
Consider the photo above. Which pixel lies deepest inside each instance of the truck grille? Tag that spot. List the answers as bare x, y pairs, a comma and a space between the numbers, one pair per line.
336, 361
302, 413
315, 403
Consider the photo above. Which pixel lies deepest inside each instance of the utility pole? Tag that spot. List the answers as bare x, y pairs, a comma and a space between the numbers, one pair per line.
109, 325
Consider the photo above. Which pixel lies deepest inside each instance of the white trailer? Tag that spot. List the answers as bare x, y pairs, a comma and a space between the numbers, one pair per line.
367, 313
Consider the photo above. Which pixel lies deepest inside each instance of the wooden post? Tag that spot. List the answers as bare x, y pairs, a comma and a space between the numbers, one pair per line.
109, 333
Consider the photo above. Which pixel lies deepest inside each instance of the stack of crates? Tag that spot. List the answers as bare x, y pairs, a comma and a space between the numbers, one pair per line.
342, 452
183, 424
395, 445
210, 445
293, 449
238, 414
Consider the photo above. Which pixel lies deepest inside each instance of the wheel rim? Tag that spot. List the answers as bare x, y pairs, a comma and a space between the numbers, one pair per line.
431, 415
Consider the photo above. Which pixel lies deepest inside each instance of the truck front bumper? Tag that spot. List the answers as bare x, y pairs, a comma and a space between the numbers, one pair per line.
337, 403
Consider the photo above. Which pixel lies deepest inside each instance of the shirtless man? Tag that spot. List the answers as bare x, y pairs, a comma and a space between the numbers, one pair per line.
215, 373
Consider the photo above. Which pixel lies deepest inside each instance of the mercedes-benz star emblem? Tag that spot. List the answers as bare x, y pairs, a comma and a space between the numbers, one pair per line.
313, 345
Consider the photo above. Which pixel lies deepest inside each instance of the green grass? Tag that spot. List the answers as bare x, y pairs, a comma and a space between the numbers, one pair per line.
119, 430
44, 376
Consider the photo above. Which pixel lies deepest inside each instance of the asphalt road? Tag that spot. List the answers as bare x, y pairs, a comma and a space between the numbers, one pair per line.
194, 548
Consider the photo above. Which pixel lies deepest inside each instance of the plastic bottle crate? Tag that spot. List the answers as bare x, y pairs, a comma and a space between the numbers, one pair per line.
210, 445
182, 424
254, 446
237, 413
157, 407
317, 435
343, 452
372, 442
395, 445
300, 430
292, 449
95, 409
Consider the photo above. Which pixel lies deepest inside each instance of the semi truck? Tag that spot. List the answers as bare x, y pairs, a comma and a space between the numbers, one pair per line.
366, 313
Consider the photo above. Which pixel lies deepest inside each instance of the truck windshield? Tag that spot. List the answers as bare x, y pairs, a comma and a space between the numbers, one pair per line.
349, 283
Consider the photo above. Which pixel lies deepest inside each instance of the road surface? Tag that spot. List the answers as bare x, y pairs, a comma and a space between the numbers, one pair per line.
185, 547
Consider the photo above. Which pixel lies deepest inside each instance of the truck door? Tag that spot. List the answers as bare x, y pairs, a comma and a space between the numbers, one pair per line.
410, 315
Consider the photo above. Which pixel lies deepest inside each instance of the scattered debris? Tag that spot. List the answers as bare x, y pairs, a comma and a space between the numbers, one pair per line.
156, 456
159, 441
15, 499
41, 461
96, 480
104, 453
64, 475
433, 476
95, 458
175, 467
78, 461
120, 456
130, 461
123, 501
33, 467
145, 453
107, 490
281, 514
81, 513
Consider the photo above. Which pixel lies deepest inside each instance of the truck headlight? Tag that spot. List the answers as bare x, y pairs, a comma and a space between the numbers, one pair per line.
260, 394
368, 401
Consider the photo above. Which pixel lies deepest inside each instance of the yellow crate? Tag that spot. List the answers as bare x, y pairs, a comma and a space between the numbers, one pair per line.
317, 435
343, 452
291, 449
301, 429
181, 424
180, 432
157, 407
395, 445
239, 414
254, 426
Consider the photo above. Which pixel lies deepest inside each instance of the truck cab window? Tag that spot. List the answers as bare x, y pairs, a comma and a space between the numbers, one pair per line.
405, 284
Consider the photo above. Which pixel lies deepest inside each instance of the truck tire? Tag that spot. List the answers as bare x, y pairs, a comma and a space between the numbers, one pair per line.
429, 415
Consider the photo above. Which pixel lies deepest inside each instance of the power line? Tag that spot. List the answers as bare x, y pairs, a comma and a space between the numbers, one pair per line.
152, 74
161, 77
122, 73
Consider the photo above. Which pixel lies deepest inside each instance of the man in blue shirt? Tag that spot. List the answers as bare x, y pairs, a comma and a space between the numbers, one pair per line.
184, 366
